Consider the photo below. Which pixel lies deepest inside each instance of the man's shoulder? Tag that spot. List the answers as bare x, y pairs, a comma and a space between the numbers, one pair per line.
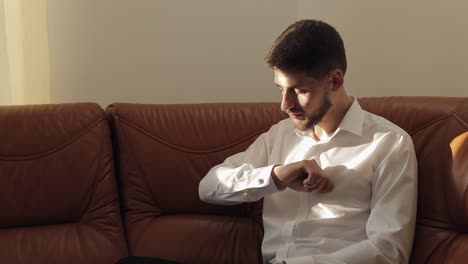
285, 124
376, 123
282, 125
387, 134
280, 129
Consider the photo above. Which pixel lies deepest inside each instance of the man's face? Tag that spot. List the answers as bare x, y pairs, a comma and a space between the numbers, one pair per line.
304, 98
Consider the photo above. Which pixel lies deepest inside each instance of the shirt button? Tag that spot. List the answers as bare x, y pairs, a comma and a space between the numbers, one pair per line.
260, 181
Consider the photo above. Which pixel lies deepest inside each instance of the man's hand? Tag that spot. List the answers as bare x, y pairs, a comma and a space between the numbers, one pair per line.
303, 176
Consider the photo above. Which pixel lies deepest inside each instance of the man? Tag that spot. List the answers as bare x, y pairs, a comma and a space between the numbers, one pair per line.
339, 184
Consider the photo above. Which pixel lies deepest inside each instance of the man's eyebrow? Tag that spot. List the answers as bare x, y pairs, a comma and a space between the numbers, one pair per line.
291, 87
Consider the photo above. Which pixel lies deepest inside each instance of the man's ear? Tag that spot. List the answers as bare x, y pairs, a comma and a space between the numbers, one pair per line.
337, 79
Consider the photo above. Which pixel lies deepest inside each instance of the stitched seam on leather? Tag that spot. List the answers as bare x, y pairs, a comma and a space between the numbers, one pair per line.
456, 116
100, 118
434, 223
92, 188
462, 103
430, 123
239, 141
131, 150
126, 210
33, 225
439, 245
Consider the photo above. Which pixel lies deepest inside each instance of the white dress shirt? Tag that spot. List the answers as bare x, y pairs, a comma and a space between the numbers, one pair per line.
369, 217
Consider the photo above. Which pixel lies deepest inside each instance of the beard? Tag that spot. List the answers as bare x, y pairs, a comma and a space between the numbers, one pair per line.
312, 119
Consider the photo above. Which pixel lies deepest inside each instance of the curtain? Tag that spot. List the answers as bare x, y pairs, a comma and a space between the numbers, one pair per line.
24, 52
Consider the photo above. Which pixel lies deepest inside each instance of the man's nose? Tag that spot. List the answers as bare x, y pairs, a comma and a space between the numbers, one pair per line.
287, 101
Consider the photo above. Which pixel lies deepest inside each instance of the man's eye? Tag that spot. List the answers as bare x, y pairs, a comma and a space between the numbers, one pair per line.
300, 91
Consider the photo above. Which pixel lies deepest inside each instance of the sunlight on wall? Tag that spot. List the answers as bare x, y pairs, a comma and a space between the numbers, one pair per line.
24, 52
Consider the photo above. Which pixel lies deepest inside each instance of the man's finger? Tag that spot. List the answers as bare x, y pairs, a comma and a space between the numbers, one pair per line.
320, 185
327, 188
313, 180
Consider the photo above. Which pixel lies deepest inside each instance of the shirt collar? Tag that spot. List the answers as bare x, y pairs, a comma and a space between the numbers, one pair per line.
353, 121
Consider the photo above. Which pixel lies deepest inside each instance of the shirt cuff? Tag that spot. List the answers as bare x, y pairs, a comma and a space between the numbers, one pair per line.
300, 260
263, 182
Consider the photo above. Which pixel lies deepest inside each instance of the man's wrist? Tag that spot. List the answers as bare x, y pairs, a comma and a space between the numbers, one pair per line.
276, 179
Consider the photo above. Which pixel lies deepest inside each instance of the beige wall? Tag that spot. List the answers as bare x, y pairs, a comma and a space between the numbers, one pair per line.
152, 51
166, 51
400, 47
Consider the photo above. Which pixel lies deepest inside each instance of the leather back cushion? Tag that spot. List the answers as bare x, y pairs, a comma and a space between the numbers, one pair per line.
58, 197
439, 128
163, 152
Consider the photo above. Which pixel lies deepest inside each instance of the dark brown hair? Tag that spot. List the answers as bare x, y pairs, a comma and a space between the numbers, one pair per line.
309, 46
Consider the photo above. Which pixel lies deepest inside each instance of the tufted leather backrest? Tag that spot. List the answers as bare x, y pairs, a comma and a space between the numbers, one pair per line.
163, 152
58, 197
439, 129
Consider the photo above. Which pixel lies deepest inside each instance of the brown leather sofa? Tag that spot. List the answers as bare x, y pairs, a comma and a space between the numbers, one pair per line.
58, 199
58, 195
